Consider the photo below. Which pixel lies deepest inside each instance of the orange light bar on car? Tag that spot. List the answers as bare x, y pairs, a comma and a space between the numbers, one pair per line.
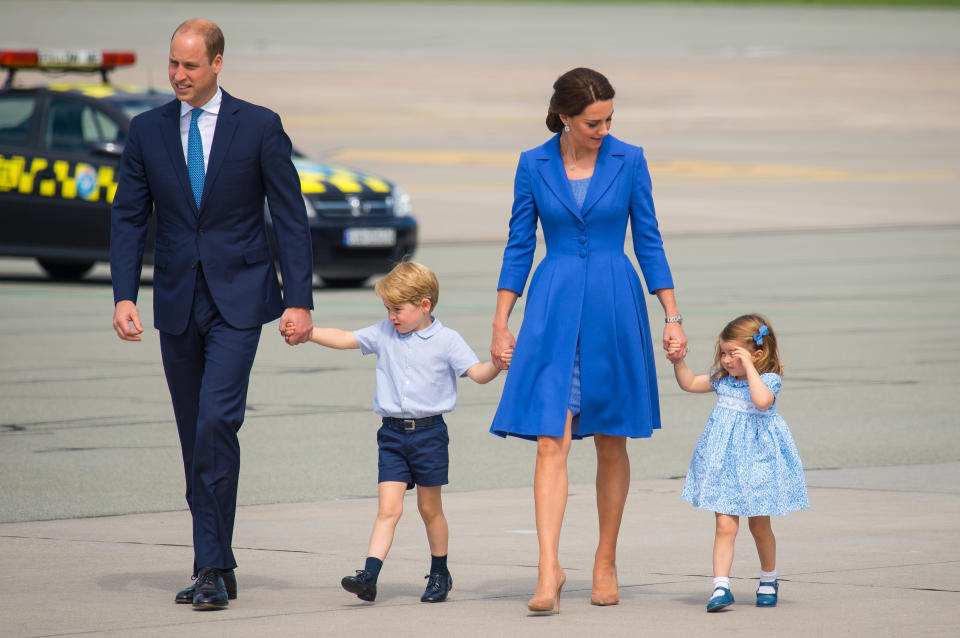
65, 59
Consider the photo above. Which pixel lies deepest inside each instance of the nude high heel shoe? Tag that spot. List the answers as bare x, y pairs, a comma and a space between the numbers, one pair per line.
605, 598
548, 604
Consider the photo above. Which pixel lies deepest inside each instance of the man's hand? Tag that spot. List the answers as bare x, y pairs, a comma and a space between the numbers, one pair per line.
301, 323
124, 314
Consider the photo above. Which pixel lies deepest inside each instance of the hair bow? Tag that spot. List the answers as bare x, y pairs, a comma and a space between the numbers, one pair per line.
761, 333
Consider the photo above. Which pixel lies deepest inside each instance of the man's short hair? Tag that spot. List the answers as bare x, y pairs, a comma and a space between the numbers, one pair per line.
210, 32
409, 282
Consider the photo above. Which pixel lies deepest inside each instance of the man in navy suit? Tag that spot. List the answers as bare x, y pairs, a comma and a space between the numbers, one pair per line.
205, 162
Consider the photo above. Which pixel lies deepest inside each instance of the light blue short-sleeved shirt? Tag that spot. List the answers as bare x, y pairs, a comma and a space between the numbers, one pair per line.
417, 371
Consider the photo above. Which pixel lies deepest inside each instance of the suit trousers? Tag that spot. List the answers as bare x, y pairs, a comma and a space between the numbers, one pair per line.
208, 372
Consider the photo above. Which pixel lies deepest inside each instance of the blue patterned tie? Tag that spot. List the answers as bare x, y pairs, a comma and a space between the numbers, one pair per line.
195, 157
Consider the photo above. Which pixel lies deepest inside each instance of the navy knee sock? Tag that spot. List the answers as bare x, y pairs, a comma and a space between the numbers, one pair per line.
373, 566
438, 564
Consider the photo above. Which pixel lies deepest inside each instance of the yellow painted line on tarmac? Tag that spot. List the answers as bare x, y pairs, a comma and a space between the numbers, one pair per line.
428, 157
718, 172
456, 187
665, 171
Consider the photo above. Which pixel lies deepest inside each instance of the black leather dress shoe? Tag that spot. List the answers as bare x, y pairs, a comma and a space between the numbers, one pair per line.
211, 592
363, 585
438, 586
185, 596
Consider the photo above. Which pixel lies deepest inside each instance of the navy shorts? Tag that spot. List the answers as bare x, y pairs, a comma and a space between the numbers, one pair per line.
414, 451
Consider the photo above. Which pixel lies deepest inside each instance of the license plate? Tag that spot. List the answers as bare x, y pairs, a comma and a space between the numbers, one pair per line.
368, 237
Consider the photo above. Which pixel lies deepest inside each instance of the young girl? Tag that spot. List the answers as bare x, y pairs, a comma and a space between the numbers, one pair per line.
745, 463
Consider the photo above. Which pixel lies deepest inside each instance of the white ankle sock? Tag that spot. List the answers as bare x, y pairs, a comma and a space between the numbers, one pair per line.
720, 581
767, 577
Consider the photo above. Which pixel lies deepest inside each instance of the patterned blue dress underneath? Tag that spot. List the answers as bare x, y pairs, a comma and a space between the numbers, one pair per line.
746, 463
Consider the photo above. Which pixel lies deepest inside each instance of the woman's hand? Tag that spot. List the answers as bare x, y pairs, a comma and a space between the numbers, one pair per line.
502, 337
674, 342
675, 352
502, 344
672, 331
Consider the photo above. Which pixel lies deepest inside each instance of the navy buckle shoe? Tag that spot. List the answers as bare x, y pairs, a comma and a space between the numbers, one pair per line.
438, 586
768, 600
724, 600
363, 585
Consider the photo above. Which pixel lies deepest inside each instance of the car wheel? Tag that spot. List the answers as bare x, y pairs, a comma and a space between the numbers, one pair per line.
343, 282
70, 270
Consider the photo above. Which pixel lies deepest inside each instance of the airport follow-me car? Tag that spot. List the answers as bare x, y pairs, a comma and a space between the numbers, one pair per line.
60, 146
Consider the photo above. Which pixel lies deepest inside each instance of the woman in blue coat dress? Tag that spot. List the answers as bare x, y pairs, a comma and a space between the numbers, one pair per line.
583, 360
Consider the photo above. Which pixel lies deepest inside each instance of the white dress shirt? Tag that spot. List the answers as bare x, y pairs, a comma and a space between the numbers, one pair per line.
207, 123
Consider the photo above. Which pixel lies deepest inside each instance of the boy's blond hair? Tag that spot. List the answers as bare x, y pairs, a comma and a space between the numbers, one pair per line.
409, 282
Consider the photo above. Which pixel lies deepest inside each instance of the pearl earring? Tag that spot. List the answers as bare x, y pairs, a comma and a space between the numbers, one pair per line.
566, 128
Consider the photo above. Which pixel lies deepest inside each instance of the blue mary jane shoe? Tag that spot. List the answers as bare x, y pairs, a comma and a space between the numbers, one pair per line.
724, 600
768, 600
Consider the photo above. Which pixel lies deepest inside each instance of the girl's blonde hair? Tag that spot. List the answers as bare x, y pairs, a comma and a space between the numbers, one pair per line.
754, 333
409, 282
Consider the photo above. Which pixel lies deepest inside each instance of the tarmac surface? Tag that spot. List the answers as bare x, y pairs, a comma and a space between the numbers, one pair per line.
88, 440
805, 166
876, 555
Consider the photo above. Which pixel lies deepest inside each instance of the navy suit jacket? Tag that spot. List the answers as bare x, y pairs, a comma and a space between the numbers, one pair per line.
250, 159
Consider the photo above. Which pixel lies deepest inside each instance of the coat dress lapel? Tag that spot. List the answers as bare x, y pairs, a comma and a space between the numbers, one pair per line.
550, 164
608, 166
174, 143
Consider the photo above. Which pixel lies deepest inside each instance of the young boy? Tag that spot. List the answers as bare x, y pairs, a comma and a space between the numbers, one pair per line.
418, 362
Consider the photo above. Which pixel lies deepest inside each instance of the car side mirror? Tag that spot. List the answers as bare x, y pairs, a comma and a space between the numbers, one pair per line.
107, 149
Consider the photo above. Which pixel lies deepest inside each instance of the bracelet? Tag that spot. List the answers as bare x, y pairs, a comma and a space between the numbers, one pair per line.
677, 319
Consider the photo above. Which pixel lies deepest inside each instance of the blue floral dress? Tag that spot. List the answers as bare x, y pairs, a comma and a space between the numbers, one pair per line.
746, 463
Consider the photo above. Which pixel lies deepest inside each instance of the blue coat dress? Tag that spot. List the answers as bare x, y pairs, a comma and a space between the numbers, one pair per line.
584, 289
